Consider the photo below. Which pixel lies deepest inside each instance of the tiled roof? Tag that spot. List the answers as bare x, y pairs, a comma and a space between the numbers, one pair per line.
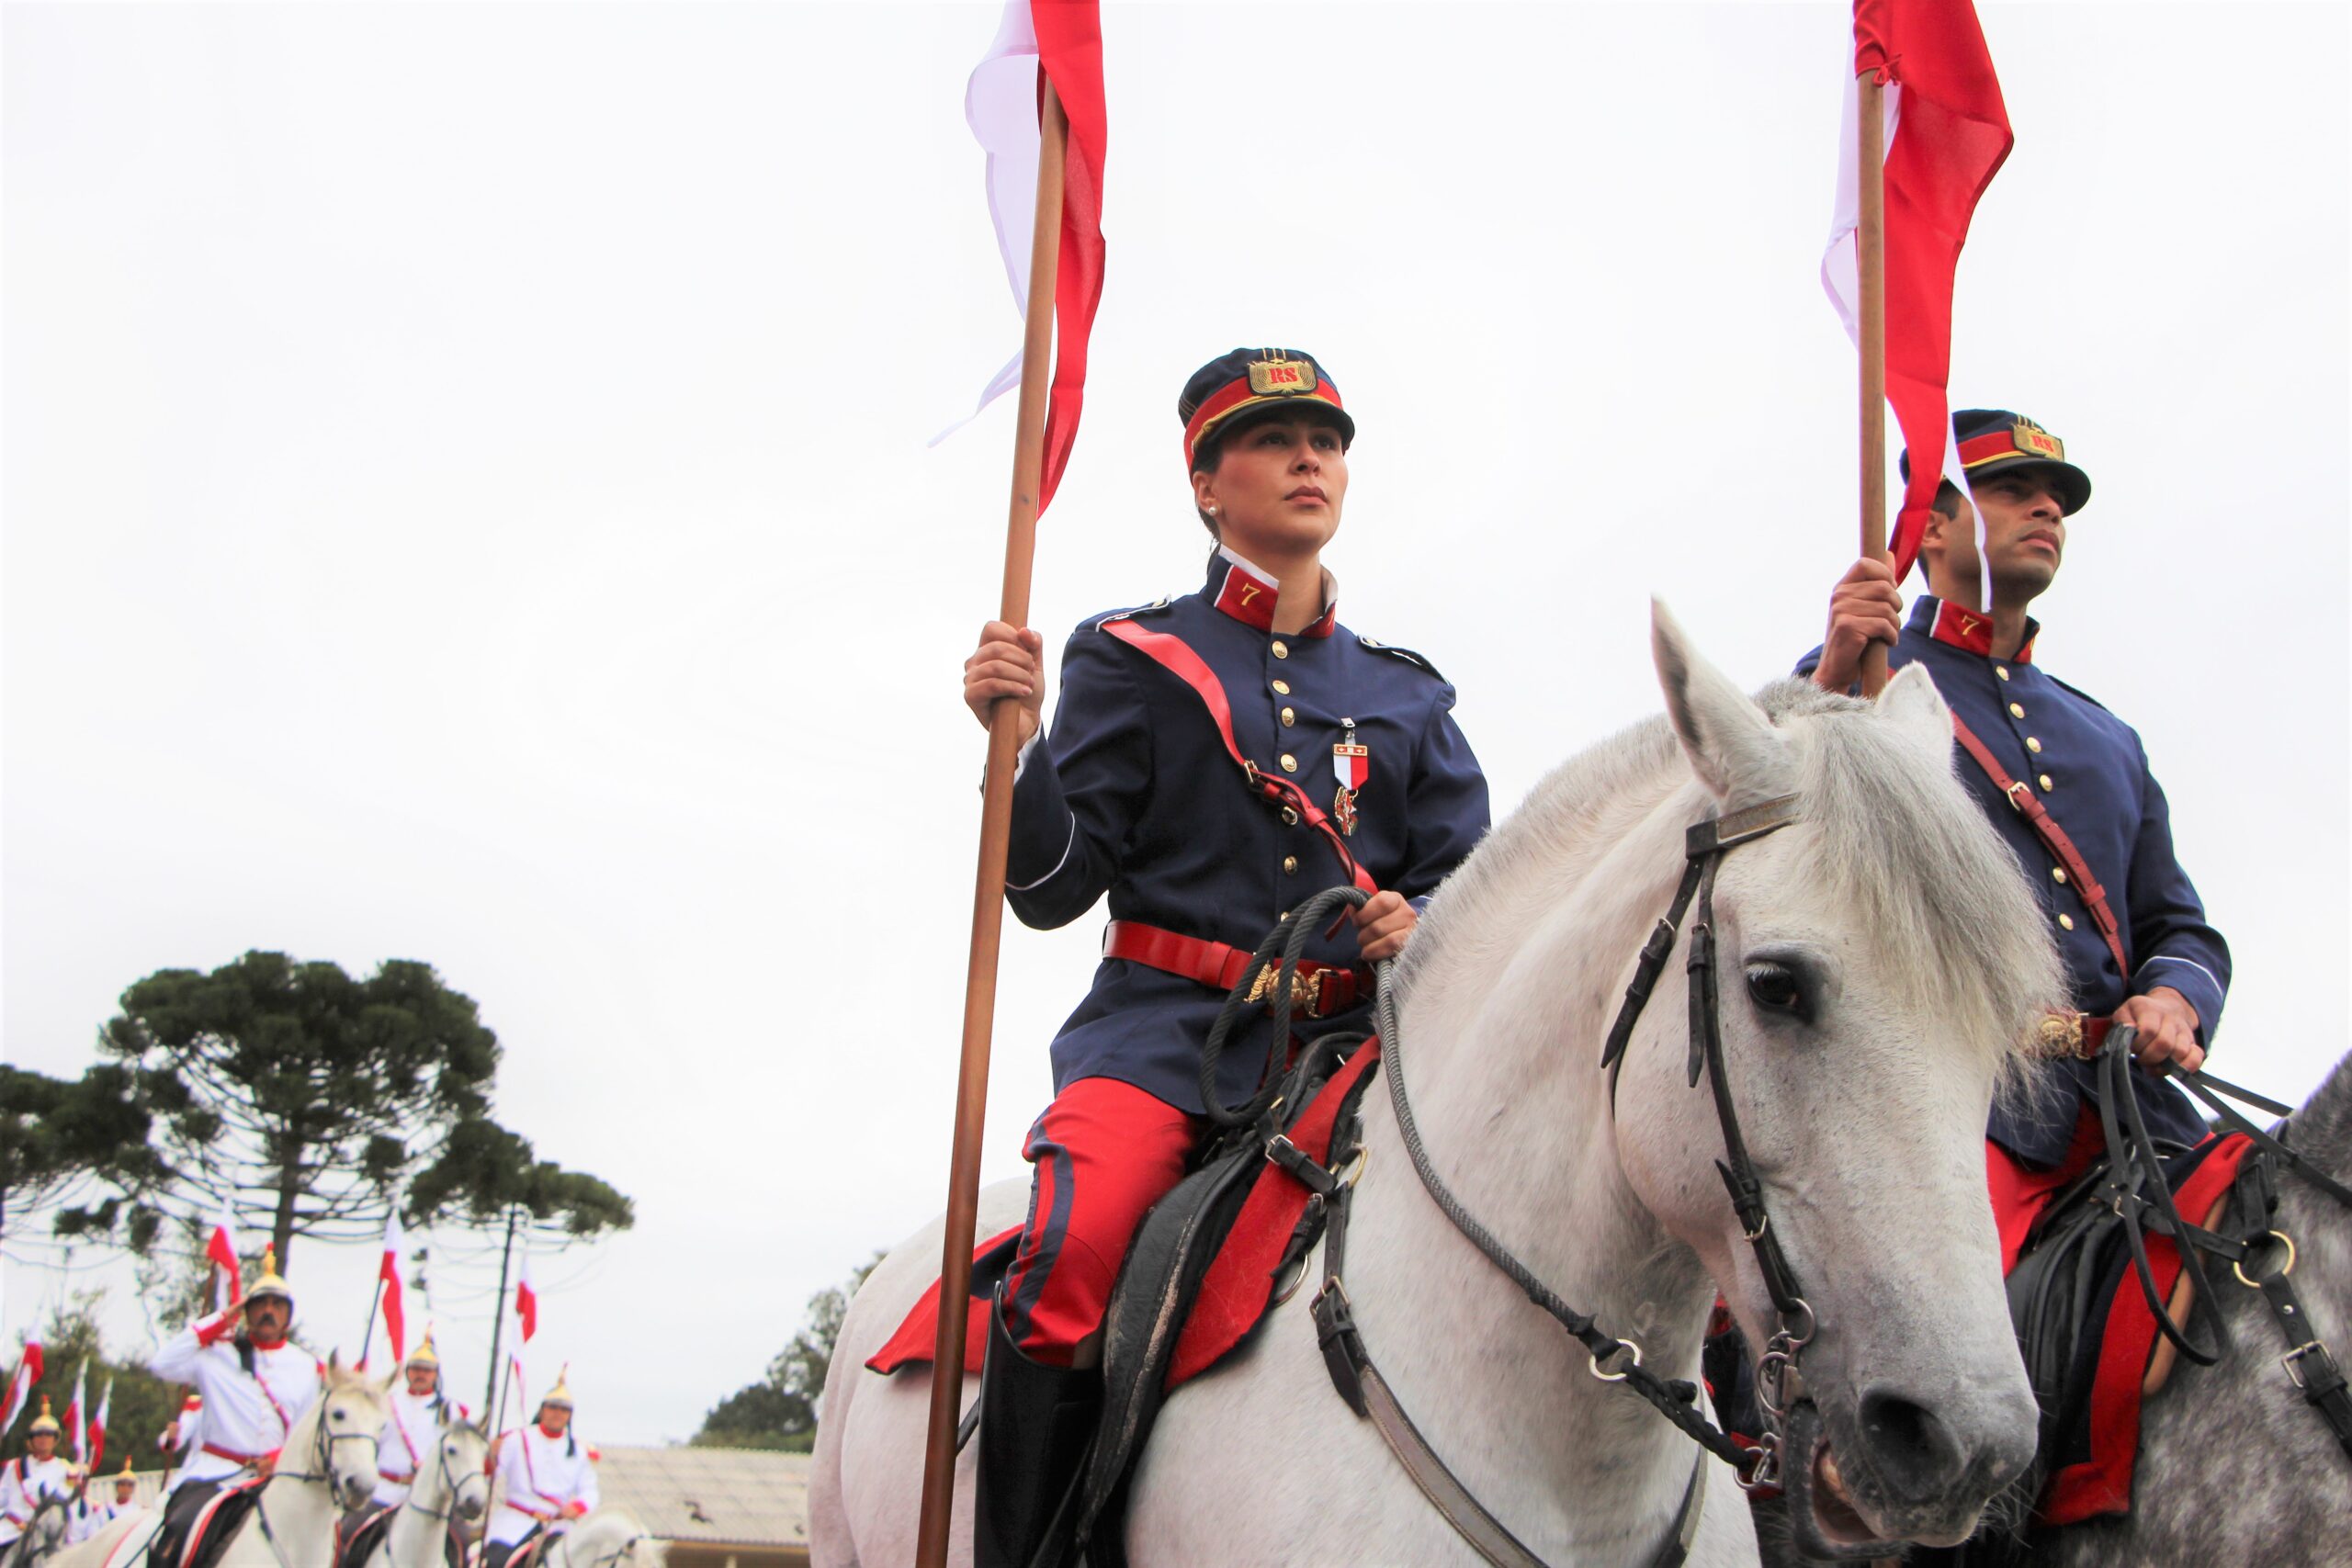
729, 1496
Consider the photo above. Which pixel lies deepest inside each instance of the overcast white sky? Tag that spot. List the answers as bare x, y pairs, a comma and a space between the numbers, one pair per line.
465, 499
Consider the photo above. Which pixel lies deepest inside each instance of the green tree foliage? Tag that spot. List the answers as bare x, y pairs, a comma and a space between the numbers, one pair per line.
483, 1170
61, 1139
780, 1410
143, 1405
308, 1096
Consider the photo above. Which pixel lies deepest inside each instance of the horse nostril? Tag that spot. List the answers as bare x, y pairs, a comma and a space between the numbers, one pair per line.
1910, 1447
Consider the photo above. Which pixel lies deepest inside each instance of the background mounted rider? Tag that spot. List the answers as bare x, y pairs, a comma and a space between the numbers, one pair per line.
1139, 793
93, 1515
2136, 943
38, 1473
255, 1384
544, 1477
412, 1424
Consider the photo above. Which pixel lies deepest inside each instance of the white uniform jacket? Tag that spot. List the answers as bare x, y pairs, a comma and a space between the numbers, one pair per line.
537, 1476
406, 1441
24, 1481
246, 1415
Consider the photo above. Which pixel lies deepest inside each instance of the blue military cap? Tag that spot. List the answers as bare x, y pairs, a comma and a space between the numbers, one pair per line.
1249, 379
1995, 441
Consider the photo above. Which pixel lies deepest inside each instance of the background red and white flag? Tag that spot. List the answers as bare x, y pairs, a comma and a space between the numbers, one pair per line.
1000, 103
387, 1272
221, 1247
1947, 134
97, 1456
74, 1409
29, 1367
527, 1301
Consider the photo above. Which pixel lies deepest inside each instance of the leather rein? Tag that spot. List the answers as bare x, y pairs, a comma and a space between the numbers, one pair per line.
1612, 1359
2135, 1188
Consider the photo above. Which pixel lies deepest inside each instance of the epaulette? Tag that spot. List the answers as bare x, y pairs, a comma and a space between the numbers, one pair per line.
1094, 623
1405, 654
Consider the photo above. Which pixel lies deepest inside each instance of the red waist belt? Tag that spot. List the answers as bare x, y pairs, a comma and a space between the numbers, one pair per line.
217, 1451
1319, 991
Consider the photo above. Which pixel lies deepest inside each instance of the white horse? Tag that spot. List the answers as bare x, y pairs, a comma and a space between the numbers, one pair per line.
1892, 960
44, 1533
609, 1538
454, 1485
328, 1464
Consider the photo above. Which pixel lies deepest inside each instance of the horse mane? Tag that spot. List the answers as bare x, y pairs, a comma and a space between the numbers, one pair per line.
2323, 1128
1907, 850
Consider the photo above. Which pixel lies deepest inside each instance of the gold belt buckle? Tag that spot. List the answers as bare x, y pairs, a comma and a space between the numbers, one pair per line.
2060, 1032
1306, 988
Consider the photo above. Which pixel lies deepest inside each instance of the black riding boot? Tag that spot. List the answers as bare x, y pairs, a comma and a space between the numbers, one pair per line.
1036, 1424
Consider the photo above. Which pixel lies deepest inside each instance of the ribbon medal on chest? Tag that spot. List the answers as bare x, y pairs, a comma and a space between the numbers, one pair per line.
1352, 762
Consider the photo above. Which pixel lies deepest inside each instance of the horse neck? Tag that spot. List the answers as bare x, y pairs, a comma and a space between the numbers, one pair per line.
414, 1538
1501, 1031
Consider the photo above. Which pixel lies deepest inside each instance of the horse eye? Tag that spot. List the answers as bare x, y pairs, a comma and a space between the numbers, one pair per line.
1774, 987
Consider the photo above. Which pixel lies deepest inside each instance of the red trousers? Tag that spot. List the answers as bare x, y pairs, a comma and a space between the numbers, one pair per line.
2020, 1192
1105, 1152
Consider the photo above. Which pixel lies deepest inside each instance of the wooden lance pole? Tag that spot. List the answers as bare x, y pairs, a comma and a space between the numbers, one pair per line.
1869, 266
996, 836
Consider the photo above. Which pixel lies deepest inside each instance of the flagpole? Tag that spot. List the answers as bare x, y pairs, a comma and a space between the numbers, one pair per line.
996, 836
1869, 266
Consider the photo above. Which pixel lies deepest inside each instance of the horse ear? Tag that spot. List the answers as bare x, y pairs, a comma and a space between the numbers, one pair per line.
1911, 702
390, 1379
1732, 746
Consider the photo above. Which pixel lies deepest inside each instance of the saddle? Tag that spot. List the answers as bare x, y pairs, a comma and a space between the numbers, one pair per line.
360, 1541
1207, 1262
224, 1513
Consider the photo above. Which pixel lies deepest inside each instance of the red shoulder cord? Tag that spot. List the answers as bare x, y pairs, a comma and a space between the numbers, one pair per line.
1174, 654
2053, 839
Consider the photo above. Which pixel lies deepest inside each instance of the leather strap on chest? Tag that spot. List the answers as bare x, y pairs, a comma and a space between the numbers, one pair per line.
2053, 839
1173, 654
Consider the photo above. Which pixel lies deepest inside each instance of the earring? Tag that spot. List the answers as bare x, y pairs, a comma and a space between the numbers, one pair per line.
1212, 509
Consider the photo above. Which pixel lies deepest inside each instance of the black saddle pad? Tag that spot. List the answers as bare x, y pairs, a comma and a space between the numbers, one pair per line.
360, 1541
228, 1518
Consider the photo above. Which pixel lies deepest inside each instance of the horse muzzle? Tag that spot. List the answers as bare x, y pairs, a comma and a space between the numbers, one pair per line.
1904, 1472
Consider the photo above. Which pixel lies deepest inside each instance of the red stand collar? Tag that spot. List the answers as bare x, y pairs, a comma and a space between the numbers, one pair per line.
1248, 595
1972, 630
550, 1437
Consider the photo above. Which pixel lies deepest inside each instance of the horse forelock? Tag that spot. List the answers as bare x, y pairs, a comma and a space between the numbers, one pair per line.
1908, 849
1901, 844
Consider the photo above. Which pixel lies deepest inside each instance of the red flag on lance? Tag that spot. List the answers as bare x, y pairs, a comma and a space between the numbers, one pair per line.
1064, 285
30, 1367
388, 1273
527, 1304
220, 1248
1062, 38
1946, 132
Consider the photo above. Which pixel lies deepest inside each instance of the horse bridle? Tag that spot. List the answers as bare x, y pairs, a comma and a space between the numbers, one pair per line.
450, 1482
1612, 1357
1615, 1359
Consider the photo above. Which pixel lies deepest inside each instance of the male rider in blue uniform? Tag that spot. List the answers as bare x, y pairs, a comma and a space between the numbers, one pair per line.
1213, 760
2143, 954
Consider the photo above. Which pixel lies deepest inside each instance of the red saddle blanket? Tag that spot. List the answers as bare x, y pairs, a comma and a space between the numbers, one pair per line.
1234, 1294
2086, 1484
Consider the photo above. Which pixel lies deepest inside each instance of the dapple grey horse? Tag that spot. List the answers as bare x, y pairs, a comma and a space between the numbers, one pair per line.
1882, 963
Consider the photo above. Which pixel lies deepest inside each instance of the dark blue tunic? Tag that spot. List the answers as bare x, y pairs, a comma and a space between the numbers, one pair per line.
2091, 774
1134, 794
